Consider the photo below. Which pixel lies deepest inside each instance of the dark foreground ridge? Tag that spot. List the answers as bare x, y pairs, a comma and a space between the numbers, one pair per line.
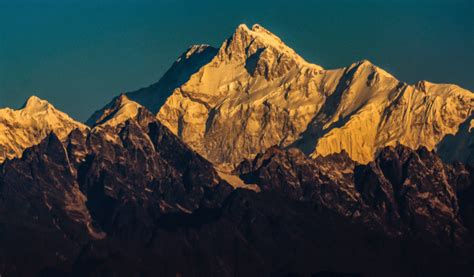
135, 201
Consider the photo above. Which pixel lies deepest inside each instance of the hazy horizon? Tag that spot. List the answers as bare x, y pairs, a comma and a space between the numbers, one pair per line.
80, 54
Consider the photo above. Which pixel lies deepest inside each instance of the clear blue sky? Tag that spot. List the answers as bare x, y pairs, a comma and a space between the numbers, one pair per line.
78, 54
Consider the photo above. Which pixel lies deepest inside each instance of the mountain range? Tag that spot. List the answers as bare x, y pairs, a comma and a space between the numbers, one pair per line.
254, 92
244, 160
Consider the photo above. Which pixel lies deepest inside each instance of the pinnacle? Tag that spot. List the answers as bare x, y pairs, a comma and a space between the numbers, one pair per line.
256, 30
242, 27
256, 27
122, 99
260, 29
35, 103
33, 99
195, 49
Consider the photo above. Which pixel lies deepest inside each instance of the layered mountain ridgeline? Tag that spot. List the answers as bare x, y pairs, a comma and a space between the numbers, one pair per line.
343, 191
132, 199
113, 185
231, 103
255, 92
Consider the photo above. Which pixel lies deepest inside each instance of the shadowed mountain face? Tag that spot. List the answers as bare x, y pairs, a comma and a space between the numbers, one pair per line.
106, 184
132, 199
403, 193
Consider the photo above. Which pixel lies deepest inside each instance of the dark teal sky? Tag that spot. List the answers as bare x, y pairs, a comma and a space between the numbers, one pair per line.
78, 54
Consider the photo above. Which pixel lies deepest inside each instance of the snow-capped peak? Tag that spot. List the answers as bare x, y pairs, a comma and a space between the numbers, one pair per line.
116, 112
259, 44
20, 129
34, 103
257, 92
258, 31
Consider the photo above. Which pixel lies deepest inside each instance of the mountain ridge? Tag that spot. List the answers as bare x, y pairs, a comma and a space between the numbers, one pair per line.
244, 160
137, 203
253, 92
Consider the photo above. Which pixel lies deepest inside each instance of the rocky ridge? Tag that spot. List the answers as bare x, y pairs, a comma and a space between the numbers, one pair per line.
134, 198
403, 192
68, 194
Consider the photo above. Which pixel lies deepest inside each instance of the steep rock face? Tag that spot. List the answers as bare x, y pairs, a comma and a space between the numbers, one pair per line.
20, 129
404, 193
42, 209
132, 183
145, 162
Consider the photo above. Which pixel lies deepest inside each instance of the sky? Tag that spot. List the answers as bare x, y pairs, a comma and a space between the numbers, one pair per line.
79, 54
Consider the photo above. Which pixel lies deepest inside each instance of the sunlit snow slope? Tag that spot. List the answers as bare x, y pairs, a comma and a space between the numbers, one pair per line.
20, 129
255, 92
